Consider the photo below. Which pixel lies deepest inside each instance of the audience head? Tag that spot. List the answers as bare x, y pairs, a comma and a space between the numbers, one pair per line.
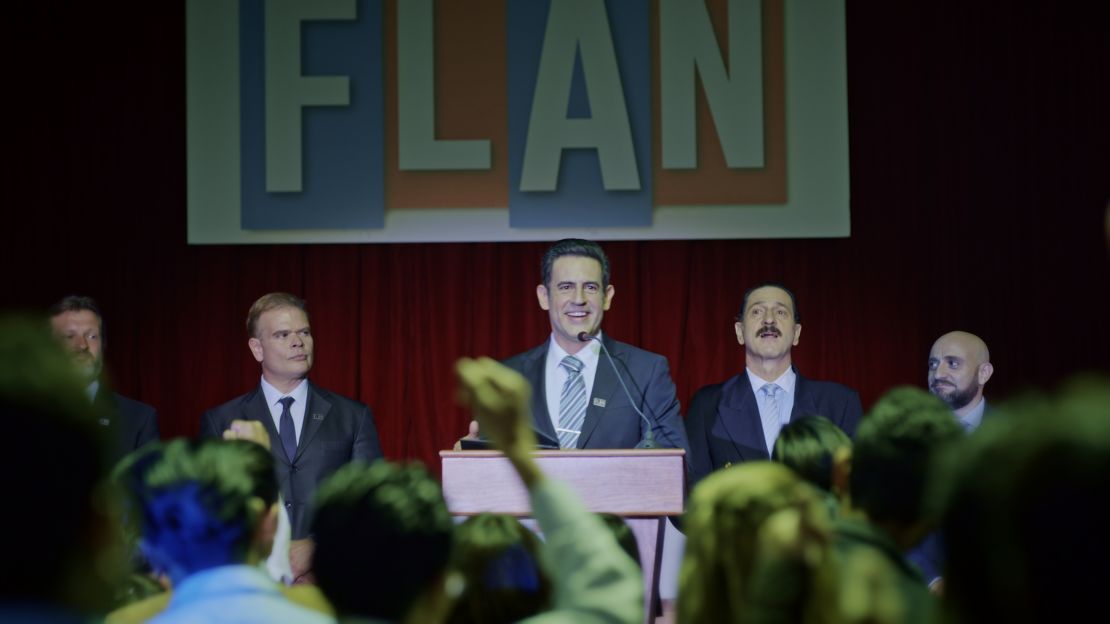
79, 325
575, 290
812, 446
499, 560
1025, 513
724, 517
280, 338
895, 448
62, 529
387, 513
204, 504
959, 367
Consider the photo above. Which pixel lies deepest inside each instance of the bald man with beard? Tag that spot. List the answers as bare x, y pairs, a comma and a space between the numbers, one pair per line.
959, 367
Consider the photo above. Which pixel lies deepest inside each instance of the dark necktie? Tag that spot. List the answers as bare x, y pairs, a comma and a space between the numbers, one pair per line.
286, 429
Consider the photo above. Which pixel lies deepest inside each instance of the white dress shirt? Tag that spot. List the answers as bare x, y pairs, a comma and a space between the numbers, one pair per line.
555, 376
785, 399
296, 410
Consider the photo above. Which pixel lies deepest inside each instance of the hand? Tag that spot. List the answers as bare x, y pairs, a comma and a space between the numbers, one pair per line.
300, 560
471, 435
500, 398
250, 430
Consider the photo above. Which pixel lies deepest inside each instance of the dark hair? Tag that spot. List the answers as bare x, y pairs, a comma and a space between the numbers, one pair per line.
201, 502
53, 428
780, 286
77, 303
1025, 511
499, 559
808, 446
574, 247
895, 447
381, 512
272, 301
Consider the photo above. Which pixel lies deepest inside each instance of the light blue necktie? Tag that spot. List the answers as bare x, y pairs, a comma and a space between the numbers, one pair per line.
572, 403
770, 394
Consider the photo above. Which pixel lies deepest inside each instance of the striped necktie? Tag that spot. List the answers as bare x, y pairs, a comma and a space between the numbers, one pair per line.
572, 403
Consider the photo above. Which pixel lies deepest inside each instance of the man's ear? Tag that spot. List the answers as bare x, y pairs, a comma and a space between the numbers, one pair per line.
255, 346
739, 332
609, 293
797, 333
986, 369
541, 296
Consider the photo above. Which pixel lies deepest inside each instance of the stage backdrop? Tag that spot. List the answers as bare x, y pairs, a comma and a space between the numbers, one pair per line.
980, 155
487, 120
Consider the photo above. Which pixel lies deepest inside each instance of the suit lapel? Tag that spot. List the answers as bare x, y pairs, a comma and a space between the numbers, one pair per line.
536, 374
315, 413
803, 401
106, 406
254, 407
738, 414
605, 384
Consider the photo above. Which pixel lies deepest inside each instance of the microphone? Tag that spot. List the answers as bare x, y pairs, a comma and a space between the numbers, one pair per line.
649, 440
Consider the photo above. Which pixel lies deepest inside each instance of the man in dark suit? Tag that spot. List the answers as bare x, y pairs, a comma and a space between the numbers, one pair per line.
739, 420
77, 322
311, 432
578, 400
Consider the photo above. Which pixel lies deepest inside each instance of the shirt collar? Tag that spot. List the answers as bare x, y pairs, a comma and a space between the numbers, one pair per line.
974, 418
785, 381
92, 389
587, 356
299, 394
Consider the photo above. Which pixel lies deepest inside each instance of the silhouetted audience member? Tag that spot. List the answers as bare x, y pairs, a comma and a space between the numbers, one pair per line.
1025, 520
383, 542
63, 553
895, 448
383, 532
819, 452
499, 557
717, 580
208, 515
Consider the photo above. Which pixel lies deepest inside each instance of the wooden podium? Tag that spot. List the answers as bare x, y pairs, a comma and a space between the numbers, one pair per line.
641, 486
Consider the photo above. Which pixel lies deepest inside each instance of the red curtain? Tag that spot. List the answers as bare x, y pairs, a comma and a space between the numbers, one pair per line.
980, 158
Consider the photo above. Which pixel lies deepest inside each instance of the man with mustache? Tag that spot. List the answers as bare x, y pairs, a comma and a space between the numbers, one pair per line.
959, 367
739, 419
76, 321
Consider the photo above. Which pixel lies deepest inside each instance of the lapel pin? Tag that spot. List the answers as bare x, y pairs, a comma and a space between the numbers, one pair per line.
599, 402
317, 417
104, 422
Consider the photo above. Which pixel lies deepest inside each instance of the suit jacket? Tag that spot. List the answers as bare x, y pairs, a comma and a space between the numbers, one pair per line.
725, 428
336, 430
611, 423
130, 424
